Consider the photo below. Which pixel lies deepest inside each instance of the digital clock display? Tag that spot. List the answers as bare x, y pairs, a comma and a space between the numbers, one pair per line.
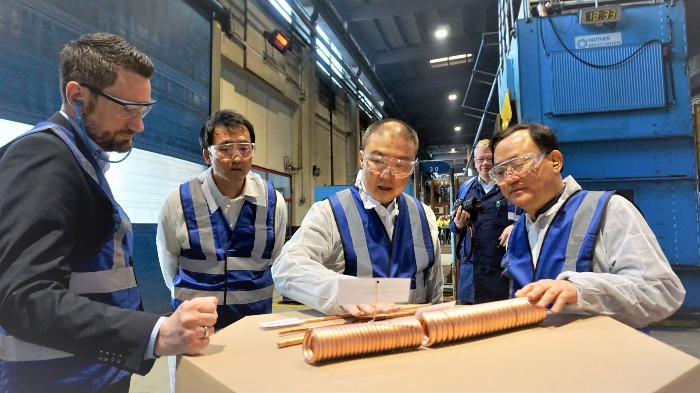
599, 15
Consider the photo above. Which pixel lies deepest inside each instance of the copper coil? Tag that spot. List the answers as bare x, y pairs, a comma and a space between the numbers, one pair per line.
470, 321
342, 341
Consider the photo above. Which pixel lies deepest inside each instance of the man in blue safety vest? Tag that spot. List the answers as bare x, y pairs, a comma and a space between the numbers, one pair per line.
69, 319
219, 233
370, 230
578, 251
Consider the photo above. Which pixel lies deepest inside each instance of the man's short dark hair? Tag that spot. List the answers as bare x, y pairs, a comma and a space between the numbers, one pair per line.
96, 59
406, 131
543, 136
223, 118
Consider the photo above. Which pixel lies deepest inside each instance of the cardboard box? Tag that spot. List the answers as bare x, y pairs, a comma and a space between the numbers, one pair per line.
564, 354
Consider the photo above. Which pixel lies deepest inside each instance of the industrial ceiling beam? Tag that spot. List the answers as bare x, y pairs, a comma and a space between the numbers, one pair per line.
388, 8
450, 81
454, 45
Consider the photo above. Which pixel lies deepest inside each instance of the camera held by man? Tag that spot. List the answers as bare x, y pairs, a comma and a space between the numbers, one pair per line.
471, 206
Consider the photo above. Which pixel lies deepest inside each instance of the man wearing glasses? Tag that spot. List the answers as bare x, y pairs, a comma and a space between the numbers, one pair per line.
579, 251
370, 230
482, 233
68, 295
219, 233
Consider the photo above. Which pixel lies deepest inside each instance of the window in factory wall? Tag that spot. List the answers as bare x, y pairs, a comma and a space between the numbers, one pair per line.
11, 130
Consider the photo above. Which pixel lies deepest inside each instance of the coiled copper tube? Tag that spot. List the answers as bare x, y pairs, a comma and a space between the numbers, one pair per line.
342, 341
470, 321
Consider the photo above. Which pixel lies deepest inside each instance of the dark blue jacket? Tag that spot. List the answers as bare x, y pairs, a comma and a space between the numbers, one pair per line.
481, 277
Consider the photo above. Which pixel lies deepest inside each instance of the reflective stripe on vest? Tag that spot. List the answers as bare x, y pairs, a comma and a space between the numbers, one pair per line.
366, 246
568, 244
106, 276
230, 264
14, 349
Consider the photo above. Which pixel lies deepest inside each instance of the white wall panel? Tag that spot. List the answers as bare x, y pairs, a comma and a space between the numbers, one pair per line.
256, 112
142, 182
340, 159
279, 134
321, 152
270, 113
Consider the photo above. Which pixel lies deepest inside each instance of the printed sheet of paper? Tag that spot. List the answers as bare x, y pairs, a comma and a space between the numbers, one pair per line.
371, 290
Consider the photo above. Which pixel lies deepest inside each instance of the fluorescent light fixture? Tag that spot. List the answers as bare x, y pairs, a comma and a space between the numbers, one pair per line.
438, 60
441, 32
452, 97
469, 55
453, 150
458, 128
448, 61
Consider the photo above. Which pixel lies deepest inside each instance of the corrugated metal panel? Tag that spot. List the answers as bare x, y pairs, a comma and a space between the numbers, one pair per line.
635, 84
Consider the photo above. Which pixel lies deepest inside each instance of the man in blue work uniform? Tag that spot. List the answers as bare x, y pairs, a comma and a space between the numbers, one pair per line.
482, 230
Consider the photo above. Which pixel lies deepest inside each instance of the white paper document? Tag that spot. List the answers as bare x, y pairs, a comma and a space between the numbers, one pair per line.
371, 290
281, 323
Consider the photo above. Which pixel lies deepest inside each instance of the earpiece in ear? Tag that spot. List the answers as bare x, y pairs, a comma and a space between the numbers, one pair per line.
79, 102
555, 164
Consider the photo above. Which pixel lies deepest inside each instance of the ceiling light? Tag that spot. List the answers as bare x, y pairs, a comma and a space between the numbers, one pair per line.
458, 128
452, 97
448, 61
441, 32
453, 150
469, 55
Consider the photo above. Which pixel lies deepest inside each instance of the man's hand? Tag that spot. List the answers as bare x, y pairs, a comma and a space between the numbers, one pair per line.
503, 239
459, 217
545, 292
359, 310
183, 332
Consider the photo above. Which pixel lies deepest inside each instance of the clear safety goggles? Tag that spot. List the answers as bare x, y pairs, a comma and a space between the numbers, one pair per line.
126, 109
228, 151
517, 166
397, 167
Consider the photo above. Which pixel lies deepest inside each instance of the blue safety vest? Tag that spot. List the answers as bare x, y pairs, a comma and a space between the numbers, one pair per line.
106, 276
368, 250
233, 265
568, 244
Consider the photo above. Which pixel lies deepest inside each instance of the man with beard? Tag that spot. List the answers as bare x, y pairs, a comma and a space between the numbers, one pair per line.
370, 230
70, 318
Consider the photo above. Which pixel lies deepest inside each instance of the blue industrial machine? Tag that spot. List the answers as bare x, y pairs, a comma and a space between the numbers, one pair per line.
612, 81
